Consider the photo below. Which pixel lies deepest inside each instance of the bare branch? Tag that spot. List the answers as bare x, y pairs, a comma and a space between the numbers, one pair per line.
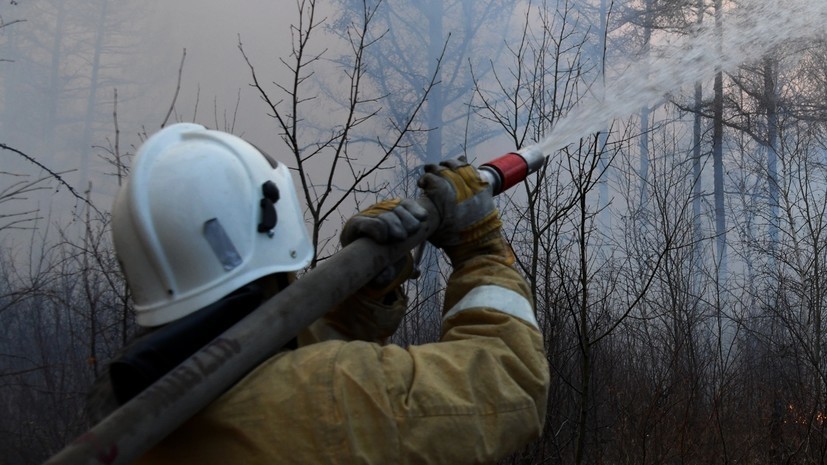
53, 174
177, 88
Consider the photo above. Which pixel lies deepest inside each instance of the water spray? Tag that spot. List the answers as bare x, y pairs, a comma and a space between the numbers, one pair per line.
750, 31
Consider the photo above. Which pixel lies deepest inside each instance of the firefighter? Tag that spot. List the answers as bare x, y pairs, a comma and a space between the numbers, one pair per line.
207, 227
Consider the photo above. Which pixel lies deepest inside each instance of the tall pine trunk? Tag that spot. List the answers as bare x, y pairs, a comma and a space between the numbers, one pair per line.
91, 102
718, 149
436, 102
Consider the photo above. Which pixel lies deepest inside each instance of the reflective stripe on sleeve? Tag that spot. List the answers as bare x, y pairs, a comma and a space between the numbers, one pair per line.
496, 298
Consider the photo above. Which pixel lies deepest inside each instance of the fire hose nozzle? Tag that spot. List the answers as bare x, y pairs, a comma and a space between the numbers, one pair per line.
533, 157
510, 169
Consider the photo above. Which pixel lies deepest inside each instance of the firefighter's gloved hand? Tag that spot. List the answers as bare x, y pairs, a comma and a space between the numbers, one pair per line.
359, 318
386, 222
374, 312
470, 222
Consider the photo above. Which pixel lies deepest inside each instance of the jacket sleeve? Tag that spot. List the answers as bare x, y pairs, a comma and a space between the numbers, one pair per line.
484, 386
474, 397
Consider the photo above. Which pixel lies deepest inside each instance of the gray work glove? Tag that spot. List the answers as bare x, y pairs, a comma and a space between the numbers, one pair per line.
470, 223
387, 222
375, 311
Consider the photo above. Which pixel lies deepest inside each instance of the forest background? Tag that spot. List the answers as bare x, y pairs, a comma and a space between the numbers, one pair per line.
674, 240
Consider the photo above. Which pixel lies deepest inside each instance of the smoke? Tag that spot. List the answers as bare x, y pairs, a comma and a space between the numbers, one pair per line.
65, 59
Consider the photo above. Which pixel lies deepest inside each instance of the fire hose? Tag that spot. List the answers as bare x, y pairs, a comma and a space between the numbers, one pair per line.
136, 426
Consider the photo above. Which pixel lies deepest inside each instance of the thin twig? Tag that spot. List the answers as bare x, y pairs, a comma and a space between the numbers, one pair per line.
177, 88
117, 152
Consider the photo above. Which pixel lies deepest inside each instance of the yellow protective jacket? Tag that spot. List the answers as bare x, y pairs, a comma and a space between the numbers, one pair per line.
473, 397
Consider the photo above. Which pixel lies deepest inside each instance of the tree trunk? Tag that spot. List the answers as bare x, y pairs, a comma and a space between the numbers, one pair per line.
697, 186
771, 101
645, 111
603, 185
718, 150
13, 97
584, 343
55, 87
436, 102
91, 102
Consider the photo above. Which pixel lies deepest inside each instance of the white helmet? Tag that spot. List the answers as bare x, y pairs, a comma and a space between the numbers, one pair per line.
202, 214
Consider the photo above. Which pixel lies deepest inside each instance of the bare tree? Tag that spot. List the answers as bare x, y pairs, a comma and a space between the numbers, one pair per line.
349, 162
60, 317
435, 39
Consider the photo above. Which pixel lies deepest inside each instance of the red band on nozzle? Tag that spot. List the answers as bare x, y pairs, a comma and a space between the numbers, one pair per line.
512, 169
